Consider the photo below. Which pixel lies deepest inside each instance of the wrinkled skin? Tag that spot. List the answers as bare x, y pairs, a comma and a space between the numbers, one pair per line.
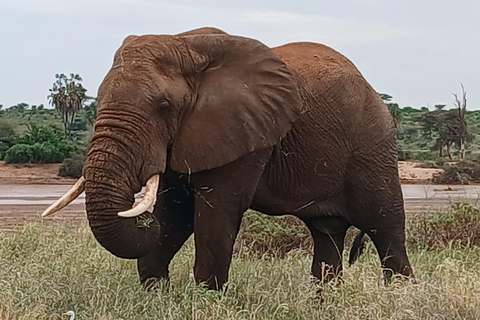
231, 124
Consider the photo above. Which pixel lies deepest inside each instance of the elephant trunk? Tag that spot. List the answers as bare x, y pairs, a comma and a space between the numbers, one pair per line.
111, 182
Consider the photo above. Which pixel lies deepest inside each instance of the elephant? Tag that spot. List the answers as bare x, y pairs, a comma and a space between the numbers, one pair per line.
215, 124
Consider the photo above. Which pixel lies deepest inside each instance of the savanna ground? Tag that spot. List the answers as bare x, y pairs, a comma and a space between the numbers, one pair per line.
46, 270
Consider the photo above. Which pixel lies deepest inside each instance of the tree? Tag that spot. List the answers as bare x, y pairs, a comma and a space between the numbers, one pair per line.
461, 127
443, 124
19, 107
91, 112
428, 122
385, 97
446, 121
393, 108
67, 96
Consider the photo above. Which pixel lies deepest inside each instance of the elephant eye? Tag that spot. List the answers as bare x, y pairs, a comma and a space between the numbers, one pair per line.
164, 104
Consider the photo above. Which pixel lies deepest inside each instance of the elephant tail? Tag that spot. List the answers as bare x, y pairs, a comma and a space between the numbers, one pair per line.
357, 247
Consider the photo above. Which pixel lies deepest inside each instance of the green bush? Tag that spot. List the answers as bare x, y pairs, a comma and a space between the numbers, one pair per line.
19, 153
43, 134
425, 156
408, 155
8, 135
477, 158
40, 145
72, 167
35, 153
440, 161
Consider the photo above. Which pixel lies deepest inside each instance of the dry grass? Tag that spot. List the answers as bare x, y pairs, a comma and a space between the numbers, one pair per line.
47, 270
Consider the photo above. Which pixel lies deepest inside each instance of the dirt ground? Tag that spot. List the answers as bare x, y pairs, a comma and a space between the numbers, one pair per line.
31, 174
411, 173
48, 173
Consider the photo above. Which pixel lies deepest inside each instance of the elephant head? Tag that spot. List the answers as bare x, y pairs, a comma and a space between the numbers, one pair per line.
189, 102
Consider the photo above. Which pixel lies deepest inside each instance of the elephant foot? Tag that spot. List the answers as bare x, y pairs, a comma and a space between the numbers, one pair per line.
389, 276
211, 283
154, 284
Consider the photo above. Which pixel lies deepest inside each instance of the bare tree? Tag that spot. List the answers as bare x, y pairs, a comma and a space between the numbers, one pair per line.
461, 128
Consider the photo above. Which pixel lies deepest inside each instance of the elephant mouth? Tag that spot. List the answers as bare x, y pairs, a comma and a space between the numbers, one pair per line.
146, 204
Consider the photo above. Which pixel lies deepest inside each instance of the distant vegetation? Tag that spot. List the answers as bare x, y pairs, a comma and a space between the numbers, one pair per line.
436, 135
35, 134
440, 138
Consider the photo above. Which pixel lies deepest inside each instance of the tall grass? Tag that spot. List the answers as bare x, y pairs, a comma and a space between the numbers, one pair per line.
47, 270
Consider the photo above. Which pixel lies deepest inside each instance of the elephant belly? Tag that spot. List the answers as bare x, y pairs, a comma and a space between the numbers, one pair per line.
322, 206
305, 175
291, 188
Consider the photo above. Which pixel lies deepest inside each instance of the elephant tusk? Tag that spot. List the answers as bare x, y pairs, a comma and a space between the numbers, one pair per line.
148, 200
68, 197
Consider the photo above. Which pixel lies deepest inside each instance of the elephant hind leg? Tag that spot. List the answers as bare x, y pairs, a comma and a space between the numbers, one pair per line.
391, 249
328, 237
375, 206
386, 227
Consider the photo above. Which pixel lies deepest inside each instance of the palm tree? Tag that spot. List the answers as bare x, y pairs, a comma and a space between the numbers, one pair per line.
67, 96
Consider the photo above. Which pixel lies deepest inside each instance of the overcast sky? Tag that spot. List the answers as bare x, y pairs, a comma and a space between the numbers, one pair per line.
417, 51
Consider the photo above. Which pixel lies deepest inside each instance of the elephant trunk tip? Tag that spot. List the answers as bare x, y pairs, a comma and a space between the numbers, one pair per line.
128, 238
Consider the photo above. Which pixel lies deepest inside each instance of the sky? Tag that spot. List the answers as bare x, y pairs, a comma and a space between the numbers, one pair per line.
418, 51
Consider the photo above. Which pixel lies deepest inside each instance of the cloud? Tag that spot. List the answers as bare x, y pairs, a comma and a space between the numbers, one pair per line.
331, 31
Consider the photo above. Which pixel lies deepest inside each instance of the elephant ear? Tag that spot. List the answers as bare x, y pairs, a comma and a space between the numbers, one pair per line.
246, 100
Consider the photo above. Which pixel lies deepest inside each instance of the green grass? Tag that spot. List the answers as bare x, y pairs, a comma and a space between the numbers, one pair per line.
48, 270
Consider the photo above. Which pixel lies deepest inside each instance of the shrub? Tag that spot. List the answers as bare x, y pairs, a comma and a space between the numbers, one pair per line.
72, 167
278, 236
19, 153
40, 145
440, 161
266, 236
408, 155
460, 225
36, 153
461, 173
8, 136
476, 157
48, 134
426, 155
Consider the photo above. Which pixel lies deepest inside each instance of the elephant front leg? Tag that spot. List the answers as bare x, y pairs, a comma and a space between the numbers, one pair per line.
222, 196
215, 234
175, 212
328, 238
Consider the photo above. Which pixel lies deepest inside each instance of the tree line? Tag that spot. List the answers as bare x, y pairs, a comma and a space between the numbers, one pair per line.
37, 134
446, 128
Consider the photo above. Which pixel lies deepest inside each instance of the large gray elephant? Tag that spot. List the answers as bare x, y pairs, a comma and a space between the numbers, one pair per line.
230, 124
